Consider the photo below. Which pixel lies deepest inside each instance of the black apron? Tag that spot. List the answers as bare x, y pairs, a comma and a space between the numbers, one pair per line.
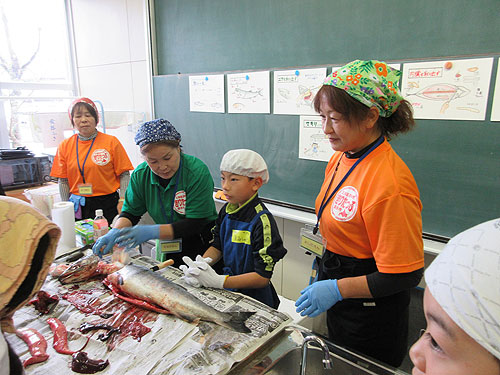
193, 245
376, 327
107, 203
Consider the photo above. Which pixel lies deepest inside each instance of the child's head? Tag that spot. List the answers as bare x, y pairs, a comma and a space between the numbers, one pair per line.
243, 172
462, 306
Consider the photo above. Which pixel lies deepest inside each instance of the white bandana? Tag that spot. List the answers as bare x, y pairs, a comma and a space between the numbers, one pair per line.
245, 163
465, 280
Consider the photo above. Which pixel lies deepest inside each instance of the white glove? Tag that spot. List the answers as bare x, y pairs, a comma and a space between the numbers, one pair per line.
203, 273
189, 278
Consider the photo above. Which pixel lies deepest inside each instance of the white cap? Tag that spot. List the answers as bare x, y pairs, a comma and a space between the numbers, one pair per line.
245, 163
465, 280
98, 212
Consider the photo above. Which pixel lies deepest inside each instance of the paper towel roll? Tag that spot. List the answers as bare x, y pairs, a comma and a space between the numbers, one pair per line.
63, 214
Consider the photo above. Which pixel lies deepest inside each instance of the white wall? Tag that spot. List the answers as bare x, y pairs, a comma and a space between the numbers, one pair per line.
112, 58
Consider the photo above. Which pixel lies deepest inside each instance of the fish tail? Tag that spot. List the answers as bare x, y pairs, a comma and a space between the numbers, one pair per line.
237, 321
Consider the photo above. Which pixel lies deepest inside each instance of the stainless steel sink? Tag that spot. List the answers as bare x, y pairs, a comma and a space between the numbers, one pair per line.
283, 355
290, 364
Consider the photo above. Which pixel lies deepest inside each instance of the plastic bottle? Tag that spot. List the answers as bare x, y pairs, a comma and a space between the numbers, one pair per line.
101, 225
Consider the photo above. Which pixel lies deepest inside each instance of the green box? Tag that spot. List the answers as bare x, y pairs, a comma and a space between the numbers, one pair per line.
85, 230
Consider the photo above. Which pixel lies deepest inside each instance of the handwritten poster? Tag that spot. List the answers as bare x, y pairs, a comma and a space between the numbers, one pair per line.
294, 90
451, 89
495, 108
206, 93
313, 143
51, 127
248, 92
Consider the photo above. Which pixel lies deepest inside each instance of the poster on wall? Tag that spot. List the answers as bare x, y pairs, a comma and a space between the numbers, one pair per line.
495, 108
450, 89
206, 93
248, 92
294, 90
313, 143
51, 127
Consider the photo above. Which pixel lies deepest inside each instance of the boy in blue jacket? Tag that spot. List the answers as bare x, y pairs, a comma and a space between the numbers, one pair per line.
246, 237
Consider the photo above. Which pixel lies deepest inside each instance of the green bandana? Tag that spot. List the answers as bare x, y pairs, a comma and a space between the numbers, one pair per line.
372, 83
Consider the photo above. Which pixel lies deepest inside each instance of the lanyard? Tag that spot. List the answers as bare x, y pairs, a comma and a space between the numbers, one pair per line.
173, 197
82, 168
323, 203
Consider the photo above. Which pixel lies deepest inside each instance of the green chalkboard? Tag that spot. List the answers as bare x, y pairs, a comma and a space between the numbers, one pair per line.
456, 163
210, 135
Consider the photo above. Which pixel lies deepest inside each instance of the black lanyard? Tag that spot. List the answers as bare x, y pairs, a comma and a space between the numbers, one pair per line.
173, 197
323, 203
82, 168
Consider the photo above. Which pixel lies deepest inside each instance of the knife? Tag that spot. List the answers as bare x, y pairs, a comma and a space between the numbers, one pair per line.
164, 264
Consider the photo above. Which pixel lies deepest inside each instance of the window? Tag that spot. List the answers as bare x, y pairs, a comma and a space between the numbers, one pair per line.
36, 72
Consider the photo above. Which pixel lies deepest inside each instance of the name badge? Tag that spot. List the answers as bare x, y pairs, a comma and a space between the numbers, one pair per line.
169, 246
85, 189
311, 242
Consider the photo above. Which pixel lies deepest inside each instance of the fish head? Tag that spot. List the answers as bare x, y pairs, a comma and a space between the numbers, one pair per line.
80, 270
115, 278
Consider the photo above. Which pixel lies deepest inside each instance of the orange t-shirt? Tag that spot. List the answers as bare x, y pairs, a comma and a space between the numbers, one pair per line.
107, 160
376, 213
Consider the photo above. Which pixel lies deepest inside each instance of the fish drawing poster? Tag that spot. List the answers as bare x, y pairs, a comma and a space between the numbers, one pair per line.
450, 90
495, 108
294, 90
313, 143
395, 66
206, 93
248, 92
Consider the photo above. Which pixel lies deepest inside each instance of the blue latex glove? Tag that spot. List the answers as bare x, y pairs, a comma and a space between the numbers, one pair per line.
133, 236
318, 297
77, 201
107, 241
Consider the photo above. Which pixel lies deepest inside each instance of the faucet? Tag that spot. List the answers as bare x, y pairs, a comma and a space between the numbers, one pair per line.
327, 362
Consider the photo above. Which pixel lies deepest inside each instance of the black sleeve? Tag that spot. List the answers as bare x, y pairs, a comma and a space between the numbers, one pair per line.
191, 227
216, 229
385, 284
267, 246
134, 219
182, 228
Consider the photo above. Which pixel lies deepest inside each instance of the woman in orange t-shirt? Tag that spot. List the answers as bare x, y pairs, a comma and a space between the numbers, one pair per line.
369, 214
91, 166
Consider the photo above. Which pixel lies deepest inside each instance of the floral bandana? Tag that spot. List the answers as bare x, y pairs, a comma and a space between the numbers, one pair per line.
156, 131
371, 82
83, 100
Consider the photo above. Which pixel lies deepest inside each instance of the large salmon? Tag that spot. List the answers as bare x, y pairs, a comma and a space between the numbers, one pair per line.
144, 284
